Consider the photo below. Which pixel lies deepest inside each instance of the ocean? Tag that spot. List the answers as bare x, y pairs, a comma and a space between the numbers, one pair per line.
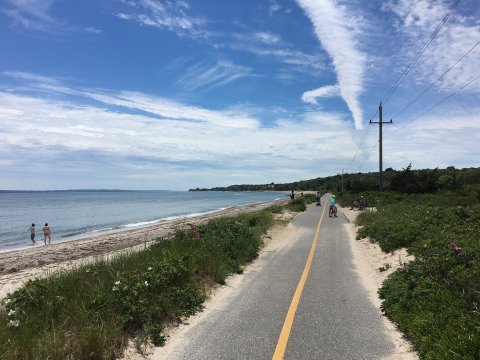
72, 214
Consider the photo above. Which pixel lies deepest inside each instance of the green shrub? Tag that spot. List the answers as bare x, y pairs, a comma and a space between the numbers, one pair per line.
434, 299
297, 205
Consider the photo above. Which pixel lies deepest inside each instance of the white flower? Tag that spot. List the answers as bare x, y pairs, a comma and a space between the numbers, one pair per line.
146, 283
14, 323
149, 268
117, 282
88, 270
11, 312
8, 301
114, 288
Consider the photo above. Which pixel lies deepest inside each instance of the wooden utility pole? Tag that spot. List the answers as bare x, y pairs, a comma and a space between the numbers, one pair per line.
380, 123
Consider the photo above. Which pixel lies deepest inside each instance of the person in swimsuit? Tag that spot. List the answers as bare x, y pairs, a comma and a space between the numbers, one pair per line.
47, 233
32, 234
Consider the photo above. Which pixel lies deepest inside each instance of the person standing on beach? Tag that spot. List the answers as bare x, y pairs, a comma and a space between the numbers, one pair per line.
32, 234
47, 233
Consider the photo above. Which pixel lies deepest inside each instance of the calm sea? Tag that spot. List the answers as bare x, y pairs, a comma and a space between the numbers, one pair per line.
76, 214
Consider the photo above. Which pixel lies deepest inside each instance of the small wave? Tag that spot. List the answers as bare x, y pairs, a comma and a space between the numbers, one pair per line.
171, 218
142, 223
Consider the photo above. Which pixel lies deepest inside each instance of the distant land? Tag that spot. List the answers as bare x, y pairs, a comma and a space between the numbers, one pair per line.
404, 180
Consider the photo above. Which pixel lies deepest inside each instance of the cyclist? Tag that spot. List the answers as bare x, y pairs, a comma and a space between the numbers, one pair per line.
333, 207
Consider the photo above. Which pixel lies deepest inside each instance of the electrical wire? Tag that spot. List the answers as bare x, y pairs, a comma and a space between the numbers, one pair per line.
434, 106
437, 80
367, 129
368, 157
395, 86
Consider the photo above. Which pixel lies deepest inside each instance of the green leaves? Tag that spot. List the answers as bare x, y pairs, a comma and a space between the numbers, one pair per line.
433, 299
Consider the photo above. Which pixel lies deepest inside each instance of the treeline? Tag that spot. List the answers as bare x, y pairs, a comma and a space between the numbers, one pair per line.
405, 180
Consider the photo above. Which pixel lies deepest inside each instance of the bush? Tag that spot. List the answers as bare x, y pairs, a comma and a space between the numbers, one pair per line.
297, 205
433, 299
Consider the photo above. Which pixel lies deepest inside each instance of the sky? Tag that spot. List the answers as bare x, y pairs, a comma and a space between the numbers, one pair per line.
165, 94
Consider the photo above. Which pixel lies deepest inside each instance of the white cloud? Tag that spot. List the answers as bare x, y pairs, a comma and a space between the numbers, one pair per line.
333, 27
136, 140
205, 75
324, 91
34, 15
267, 37
277, 51
164, 14
416, 20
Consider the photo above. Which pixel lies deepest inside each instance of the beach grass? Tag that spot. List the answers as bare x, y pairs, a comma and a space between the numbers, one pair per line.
92, 311
435, 298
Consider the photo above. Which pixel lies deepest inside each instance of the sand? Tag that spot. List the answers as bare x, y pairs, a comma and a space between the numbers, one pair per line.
368, 258
17, 267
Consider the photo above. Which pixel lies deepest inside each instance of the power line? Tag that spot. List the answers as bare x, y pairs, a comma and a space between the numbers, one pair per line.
437, 80
395, 86
434, 106
361, 142
369, 154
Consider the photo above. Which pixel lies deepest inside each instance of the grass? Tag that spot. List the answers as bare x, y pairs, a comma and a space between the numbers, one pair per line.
434, 299
92, 311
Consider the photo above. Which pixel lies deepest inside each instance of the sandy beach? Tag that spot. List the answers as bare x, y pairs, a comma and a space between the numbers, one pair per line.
19, 266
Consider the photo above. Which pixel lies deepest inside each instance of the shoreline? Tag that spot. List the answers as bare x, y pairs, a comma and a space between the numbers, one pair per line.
119, 229
19, 266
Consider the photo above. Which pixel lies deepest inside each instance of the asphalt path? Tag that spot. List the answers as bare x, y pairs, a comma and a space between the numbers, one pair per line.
333, 319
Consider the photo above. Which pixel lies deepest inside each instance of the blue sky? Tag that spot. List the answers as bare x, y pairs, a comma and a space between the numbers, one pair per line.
163, 94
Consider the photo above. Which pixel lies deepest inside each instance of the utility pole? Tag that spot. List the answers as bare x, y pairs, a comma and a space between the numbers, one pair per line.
380, 123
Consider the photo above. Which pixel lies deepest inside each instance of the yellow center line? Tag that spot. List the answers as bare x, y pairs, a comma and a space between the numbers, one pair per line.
287, 325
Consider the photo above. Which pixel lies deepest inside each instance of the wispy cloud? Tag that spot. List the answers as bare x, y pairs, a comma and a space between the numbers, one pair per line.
206, 75
333, 27
164, 14
271, 46
159, 106
34, 15
267, 37
325, 91
416, 20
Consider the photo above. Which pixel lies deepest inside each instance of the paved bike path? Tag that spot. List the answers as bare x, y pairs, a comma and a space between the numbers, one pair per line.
334, 318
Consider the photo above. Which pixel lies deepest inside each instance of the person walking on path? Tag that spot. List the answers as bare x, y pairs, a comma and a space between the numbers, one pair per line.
47, 233
32, 234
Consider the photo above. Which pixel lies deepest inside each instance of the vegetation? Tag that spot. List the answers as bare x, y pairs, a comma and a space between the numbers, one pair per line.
435, 298
404, 181
92, 311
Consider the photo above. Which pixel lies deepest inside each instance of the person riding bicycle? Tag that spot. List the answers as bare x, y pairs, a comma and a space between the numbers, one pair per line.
333, 207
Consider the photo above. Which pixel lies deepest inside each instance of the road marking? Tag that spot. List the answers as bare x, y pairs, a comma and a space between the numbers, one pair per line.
287, 325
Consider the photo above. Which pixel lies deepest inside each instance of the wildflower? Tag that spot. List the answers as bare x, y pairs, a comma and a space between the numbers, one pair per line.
8, 301
424, 246
114, 288
455, 247
14, 323
146, 283
195, 232
88, 270
402, 269
117, 282
11, 312
149, 268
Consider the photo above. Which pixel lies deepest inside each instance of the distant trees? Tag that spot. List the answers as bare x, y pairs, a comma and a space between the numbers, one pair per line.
407, 181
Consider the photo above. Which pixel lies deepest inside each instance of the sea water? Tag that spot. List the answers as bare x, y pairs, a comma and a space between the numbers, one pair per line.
77, 214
